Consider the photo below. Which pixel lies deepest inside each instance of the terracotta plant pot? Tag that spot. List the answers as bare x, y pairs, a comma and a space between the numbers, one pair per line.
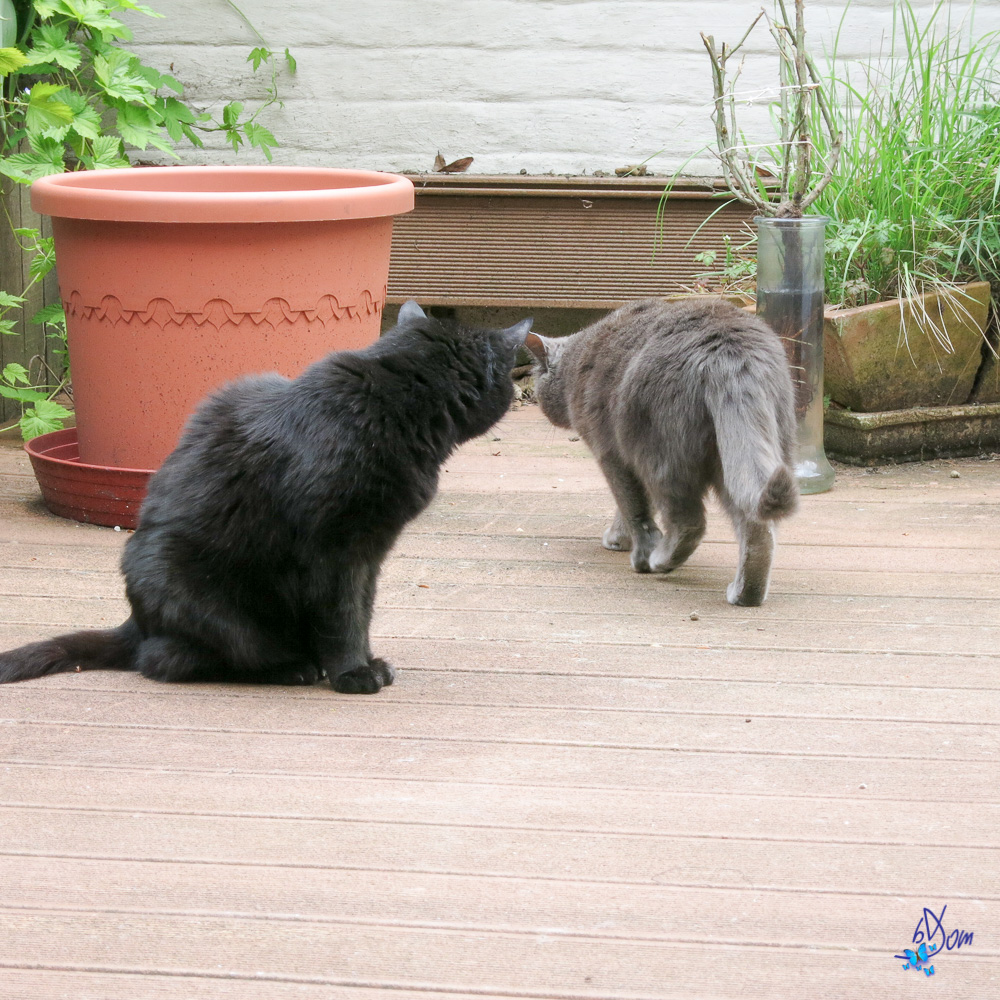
175, 280
872, 367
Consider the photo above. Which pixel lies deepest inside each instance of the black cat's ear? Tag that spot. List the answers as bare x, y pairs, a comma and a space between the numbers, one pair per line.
410, 312
536, 345
514, 336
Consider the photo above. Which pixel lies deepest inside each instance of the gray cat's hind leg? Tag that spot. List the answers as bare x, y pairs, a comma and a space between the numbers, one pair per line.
756, 538
749, 588
683, 529
634, 519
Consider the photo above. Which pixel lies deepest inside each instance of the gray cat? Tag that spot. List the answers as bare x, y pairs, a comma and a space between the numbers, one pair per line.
674, 398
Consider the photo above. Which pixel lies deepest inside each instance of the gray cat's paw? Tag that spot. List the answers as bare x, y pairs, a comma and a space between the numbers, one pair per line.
746, 596
675, 548
617, 538
661, 562
642, 549
640, 561
369, 679
616, 542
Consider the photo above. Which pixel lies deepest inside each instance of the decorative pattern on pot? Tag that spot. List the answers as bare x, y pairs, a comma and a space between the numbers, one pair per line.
276, 312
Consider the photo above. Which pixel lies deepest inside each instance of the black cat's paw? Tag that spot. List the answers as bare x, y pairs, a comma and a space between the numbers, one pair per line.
369, 679
300, 674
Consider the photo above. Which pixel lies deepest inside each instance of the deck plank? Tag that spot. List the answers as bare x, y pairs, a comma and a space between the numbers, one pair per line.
574, 789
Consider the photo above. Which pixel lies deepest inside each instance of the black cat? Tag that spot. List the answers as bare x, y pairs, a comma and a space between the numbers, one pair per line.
262, 535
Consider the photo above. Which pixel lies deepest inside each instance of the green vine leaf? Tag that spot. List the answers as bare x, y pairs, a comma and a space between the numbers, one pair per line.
44, 111
23, 395
47, 8
107, 153
176, 115
257, 56
260, 137
157, 80
50, 315
51, 45
115, 70
11, 60
14, 373
231, 113
42, 250
230, 123
86, 119
138, 7
45, 158
90, 13
46, 416
139, 126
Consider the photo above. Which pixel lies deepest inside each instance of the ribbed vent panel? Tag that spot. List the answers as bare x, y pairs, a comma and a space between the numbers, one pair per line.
563, 242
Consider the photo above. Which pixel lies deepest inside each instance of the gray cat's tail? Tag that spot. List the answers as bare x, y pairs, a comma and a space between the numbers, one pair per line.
104, 649
781, 495
753, 433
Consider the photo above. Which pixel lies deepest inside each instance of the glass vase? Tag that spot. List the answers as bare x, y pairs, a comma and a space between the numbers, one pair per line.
790, 301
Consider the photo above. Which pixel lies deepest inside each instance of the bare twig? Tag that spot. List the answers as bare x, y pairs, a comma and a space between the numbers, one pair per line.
800, 85
738, 179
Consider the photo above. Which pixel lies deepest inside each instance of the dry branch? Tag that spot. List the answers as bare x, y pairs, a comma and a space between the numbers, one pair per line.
800, 84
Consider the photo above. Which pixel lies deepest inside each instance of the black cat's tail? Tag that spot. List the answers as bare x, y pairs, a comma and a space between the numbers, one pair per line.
754, 431
103, 649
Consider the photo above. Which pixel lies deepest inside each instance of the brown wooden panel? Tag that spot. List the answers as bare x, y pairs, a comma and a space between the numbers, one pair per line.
581, 243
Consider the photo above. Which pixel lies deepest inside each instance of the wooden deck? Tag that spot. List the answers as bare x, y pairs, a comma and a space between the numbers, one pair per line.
584, 784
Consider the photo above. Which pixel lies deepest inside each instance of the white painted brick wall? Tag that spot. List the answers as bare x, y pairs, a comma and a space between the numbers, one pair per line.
560, 86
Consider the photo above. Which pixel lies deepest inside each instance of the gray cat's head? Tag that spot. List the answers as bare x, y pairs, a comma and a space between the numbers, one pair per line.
546, 352
549, 385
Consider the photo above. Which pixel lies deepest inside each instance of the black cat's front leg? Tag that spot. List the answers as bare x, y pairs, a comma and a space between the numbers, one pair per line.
340, 633
367, 679
633, 519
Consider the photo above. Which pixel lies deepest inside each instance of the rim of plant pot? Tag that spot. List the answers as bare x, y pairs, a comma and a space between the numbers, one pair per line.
222, 194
